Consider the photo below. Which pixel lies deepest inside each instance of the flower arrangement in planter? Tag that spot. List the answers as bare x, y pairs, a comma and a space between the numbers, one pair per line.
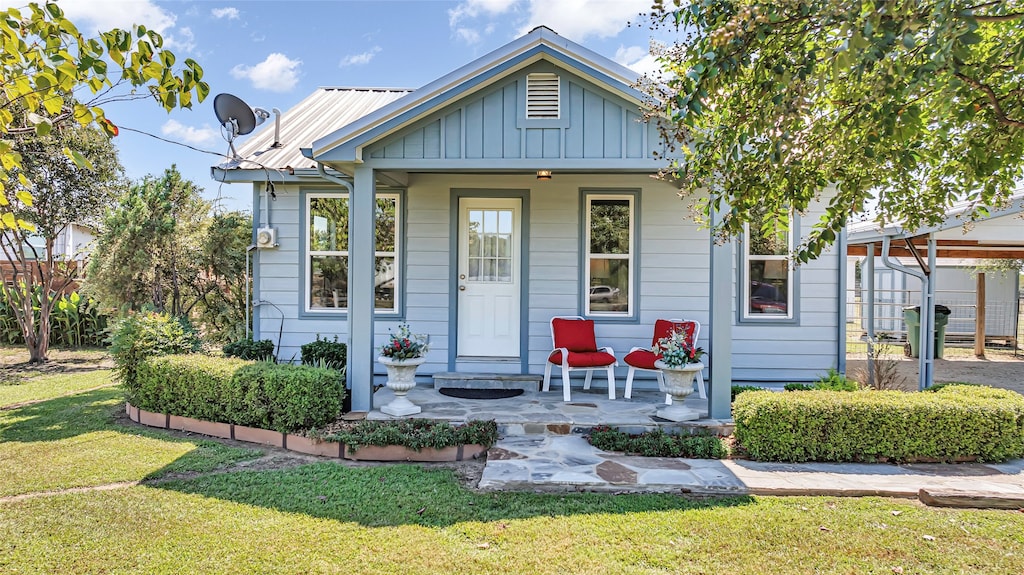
676, 351
679, 365
404, 345
403, 352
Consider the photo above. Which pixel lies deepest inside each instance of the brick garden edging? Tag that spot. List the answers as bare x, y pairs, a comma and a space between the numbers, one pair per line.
299, 443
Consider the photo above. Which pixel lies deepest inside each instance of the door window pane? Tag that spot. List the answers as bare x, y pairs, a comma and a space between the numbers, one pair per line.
490, 240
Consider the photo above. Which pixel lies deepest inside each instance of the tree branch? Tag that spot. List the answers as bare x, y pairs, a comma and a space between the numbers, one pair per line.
997, 109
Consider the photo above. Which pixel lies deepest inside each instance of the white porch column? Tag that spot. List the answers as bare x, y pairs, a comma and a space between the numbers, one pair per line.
720, 352
361, 267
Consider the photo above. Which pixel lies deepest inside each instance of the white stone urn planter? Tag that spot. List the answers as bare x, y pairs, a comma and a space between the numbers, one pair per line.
678, 384
401, 378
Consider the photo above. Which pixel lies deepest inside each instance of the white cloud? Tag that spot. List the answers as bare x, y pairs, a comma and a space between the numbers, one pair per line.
183, 39
638, 59
189, 134
93, 16
277, 73
359, 59
472, 8
580, 19
467, 35
229, 13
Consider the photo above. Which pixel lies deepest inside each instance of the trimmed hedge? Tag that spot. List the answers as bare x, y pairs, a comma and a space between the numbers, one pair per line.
657, 443
415, 433
956, 423
267, 395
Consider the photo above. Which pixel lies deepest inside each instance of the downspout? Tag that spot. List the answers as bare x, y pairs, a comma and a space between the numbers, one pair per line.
248, 288
924, 360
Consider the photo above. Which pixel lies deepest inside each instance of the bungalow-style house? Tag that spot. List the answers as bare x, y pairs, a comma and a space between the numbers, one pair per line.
514, 189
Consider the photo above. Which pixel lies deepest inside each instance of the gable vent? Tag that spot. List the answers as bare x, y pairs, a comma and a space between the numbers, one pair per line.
542, 96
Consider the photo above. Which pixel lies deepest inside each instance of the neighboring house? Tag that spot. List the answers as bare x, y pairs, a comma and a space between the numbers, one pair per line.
516, 188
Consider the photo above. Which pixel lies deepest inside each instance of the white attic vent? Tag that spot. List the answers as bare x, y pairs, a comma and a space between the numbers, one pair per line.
542, 96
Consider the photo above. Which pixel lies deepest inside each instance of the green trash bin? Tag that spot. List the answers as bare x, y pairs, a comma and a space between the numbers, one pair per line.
912, 317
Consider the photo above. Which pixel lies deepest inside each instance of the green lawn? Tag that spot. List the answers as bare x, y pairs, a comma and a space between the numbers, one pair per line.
329, 517
22, 389
75, 441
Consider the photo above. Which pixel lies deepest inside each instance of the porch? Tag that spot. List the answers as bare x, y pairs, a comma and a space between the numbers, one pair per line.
544, 413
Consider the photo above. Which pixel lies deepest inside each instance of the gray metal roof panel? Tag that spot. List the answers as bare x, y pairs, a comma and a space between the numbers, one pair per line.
321, 113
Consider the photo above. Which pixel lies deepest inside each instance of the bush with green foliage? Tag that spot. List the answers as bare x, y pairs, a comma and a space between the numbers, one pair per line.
738, 389
249, 349
281, 397
324, 352
953, 424
657, 443
142, 335
415, 433
832, 381
75, 321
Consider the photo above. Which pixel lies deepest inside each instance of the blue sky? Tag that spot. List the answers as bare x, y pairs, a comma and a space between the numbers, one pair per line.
274, 53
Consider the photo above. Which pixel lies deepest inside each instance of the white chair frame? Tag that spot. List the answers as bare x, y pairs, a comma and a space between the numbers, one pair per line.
566, 368
701, 389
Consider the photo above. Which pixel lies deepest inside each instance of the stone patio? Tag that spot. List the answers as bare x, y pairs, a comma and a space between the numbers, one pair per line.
536, 412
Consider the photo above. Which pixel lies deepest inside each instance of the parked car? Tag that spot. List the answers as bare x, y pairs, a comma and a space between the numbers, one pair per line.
765, 298
604, 294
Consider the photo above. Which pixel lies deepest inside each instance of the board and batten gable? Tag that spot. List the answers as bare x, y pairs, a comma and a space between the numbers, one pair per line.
805, 347
492, 125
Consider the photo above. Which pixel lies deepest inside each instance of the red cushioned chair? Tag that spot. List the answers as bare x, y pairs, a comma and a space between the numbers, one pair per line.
576, 349
643, 358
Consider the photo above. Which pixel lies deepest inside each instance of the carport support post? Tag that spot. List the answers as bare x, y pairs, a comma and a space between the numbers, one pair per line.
979, 318
361, 251
867, 276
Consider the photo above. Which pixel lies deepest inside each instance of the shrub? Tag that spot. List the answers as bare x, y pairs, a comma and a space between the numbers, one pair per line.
738, 389
836, 381
415, 433
657, 443
262, 394
798, 386
151, 334
322, 352
75, 321
954, 423
249, 349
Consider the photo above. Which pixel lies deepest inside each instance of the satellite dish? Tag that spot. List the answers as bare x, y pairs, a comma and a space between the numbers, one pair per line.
235, 115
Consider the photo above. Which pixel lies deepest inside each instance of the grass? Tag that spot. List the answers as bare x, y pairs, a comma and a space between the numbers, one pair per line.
75, 441
22, 389
326, 518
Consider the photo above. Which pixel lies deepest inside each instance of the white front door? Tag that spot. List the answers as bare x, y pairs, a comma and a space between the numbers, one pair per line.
489, 277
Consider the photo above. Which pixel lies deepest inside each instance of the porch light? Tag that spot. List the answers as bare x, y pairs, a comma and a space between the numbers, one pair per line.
543, 174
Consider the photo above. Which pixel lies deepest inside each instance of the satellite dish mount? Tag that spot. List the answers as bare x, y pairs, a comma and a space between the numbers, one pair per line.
236, 119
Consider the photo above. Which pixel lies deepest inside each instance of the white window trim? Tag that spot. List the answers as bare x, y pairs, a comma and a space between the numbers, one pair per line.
310, 253
631, 256
790, 277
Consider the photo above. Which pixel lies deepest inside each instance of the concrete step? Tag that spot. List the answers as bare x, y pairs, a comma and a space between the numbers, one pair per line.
465, 380
521, 428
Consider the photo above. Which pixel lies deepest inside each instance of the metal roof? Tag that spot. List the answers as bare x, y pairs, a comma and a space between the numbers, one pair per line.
319, 114
982, 242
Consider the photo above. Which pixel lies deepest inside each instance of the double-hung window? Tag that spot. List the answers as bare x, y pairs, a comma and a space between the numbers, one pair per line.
327, 253
768, 289
610, 246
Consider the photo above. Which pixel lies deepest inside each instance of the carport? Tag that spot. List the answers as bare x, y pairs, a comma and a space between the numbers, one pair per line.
999, 235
